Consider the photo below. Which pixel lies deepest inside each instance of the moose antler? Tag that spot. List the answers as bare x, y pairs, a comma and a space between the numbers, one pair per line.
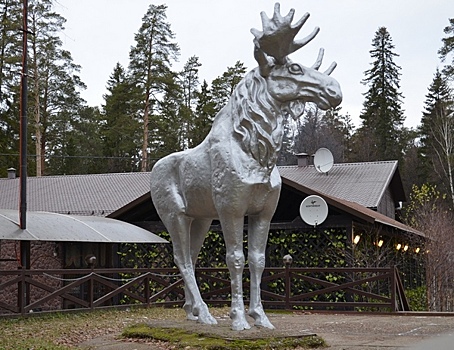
277, 38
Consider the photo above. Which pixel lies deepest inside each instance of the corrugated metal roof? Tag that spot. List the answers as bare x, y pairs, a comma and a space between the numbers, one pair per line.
352, 186
357, 210
45, 226
362, 183
94, 194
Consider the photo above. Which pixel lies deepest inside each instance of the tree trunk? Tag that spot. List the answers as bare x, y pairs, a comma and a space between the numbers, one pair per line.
144, 166
38, 145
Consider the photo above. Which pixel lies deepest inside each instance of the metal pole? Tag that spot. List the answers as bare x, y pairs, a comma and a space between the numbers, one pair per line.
23, 124
24, 287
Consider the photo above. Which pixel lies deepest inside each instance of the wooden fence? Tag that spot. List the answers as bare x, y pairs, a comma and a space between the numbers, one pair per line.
352, 289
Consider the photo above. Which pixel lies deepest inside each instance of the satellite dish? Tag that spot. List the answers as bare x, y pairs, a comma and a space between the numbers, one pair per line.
323, 160
313, 210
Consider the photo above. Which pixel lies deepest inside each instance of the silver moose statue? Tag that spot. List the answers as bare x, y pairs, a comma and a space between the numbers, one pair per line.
233, 174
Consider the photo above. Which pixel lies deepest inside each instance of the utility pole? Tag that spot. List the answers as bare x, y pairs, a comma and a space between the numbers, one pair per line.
24, 245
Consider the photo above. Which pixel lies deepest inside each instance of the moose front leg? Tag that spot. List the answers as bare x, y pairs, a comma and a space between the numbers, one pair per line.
257, 240
233, 236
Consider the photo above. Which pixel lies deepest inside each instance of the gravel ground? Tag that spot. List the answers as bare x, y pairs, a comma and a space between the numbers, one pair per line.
340, 331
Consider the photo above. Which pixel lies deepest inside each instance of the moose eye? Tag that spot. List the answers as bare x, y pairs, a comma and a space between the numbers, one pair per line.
295, 69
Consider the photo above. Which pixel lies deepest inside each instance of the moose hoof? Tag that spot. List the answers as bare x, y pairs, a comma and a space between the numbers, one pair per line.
239, 320
203, 315
206, 319
240, 325
189, 315
261, 320
264, 323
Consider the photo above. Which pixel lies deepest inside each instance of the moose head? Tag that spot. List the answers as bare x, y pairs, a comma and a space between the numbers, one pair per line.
292, 84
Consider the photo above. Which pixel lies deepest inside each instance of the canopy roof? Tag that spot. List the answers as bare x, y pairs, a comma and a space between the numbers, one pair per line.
46, 226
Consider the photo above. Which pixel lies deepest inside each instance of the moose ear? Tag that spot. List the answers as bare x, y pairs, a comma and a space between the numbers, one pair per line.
265, 62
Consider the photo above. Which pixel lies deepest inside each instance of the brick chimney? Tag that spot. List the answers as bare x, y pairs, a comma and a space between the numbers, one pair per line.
11, 173
303, 159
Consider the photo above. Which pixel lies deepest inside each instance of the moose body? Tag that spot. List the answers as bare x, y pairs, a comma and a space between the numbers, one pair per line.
233, 174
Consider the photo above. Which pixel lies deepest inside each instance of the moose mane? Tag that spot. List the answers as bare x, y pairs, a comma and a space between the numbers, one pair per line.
257, 119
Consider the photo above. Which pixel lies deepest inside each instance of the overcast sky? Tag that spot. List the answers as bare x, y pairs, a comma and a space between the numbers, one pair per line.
99, 33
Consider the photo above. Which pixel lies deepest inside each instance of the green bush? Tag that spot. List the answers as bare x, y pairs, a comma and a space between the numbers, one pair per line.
417, 298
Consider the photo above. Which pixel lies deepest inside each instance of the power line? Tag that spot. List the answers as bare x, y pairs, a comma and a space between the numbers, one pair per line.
80, 157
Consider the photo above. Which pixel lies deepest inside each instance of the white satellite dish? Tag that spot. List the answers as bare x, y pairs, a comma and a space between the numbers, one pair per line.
313, 210
323, 160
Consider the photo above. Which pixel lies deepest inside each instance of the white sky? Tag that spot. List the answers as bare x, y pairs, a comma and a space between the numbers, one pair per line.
99, 33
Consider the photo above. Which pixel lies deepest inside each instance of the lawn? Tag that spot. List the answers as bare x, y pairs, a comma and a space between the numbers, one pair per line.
65, 330
58, 331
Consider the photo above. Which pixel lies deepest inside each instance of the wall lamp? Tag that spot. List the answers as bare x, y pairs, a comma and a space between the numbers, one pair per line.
356, 239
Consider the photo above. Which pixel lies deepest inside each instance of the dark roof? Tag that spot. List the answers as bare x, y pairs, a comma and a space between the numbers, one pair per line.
357, 210
363, 183
94, 194
104, 194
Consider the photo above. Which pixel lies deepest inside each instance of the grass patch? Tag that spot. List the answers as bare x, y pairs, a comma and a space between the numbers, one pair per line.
59, 331
182, 339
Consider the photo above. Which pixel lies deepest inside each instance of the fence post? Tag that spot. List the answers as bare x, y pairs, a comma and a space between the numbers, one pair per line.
393, 288
146, 287
22, 291
288, 287
91, 290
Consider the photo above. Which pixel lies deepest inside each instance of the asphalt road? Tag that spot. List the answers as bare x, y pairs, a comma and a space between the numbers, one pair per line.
340, 331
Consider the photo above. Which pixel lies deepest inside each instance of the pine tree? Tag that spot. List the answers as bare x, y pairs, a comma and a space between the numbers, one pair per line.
54, 85
437, 134
120, 130
222, 87
337, 130
448, 49
150, 62
308, 136
205, 113
189, 86
10, 67
382, 115
76, 145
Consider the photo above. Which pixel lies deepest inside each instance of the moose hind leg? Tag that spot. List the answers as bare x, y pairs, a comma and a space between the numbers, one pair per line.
198, 231
257, 240
179, 229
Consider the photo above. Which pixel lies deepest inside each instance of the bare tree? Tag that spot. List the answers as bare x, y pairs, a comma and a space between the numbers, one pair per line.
429, 212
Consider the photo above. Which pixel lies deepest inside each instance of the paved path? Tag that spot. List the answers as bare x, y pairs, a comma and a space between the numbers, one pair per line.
341, 332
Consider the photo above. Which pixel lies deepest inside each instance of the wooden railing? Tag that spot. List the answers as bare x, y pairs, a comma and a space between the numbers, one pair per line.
352, 289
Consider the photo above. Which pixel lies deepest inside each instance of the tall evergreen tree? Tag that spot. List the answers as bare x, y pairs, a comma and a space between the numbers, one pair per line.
337, 131
54, 87
222, 87
382, 115
76, 147
10, 66
308, 136
189, 87
327, 129
150, 62
448, 49
205, 113
120, 130
437, 134
167, 129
